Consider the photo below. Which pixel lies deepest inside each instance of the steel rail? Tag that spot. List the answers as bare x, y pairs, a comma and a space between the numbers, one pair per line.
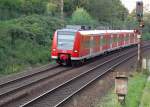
117, 64
43, 79
2, 95
50, 91
29, 75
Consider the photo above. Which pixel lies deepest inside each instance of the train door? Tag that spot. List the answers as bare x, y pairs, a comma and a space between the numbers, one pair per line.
122, 39
114, 39
91, 45
108, 37
119, 40
111, 41
104, 42
101, 43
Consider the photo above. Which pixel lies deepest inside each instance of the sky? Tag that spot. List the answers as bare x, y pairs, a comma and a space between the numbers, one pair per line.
130, 4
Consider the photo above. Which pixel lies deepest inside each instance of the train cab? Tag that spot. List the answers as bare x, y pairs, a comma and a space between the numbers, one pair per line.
65, 44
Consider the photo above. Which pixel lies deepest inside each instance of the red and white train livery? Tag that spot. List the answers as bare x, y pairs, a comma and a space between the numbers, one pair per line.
71, 46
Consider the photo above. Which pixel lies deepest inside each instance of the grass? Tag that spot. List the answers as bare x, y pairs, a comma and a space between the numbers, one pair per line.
136, 85
145, 102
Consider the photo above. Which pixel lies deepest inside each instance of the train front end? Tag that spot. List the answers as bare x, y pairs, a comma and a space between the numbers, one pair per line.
63, 46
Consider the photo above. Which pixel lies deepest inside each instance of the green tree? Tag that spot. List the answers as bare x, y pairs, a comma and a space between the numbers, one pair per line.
81, 17
15, 8
71, 5
9, 8
56, 7
33, 6
106, 10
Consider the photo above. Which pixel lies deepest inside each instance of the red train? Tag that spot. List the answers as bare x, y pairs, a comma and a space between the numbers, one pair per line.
75, 45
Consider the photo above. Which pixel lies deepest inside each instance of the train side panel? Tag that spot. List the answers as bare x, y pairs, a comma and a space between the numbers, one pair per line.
76, 47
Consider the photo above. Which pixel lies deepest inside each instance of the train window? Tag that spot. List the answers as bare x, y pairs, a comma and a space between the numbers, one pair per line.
122, 37
115, 39
126, 38
119, 39
103, 41
65, 40
86, 44
93, 43
111, 39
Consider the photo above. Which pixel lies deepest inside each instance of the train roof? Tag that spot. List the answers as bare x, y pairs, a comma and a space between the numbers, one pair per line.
88, 32
74, 28
68, 30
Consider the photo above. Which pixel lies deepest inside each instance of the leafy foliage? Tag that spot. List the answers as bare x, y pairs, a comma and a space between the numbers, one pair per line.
26, 41
15, 8
81, 17
106, 10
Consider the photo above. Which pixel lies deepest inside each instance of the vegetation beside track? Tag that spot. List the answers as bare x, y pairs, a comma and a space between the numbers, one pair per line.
136, 86
26, 41
145, 102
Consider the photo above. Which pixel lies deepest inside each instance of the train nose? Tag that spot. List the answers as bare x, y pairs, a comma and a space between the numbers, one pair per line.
64, 57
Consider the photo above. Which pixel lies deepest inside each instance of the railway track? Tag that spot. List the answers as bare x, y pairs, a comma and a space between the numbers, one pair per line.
38, 71
10, 90
20, 90
58, 95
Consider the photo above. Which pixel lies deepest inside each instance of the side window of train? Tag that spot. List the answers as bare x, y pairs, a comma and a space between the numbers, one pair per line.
94, 42
127, 37
115, 39
119, 38
102, 41
86, 43
111, 39
131, 35
91, 42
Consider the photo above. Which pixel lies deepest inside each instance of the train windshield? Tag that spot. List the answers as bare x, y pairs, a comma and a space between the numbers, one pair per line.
65, 40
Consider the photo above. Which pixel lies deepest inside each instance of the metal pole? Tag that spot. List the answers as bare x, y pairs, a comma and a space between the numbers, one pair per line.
139, 14
139, 66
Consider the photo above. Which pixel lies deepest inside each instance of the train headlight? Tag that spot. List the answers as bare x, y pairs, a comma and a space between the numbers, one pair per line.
75, 51
54, 49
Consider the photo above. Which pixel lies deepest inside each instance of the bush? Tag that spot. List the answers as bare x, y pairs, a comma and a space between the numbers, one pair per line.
36, 28
146, 36
26, 41
81, 17
15, 8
